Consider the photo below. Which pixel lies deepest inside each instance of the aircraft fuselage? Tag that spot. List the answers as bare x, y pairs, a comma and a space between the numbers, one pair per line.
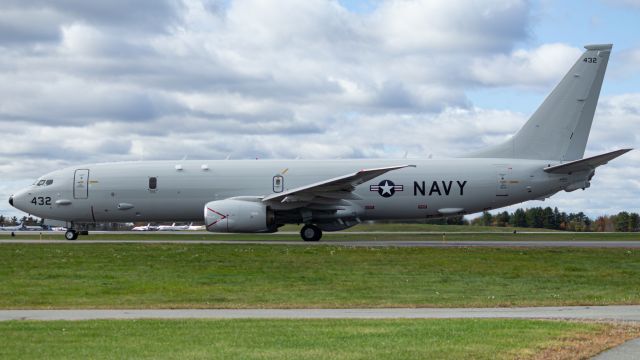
118, 192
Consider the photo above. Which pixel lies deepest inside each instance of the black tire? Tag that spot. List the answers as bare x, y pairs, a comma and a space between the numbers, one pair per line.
311, 233
71, 235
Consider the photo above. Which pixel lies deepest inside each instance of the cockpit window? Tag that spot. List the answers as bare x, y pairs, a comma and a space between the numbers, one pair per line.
41, 182
49, 182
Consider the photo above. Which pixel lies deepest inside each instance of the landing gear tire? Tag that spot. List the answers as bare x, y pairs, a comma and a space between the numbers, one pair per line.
311, 233
71, 235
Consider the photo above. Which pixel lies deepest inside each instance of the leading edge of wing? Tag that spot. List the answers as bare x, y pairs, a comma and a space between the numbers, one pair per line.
586, 163
345, 183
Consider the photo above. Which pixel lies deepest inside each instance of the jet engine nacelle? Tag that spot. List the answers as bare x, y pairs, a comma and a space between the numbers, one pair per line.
232, 215
578, 185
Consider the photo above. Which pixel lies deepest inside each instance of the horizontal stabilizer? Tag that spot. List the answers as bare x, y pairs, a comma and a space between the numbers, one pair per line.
585, 164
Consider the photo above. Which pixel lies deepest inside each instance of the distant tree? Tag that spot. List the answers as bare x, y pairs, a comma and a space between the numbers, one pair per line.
548, 220
535, 217
556, 218
622, 221
502, 219
563, 221
487, 219
14, 221
587, 224
634, 222
519, 218
1, 220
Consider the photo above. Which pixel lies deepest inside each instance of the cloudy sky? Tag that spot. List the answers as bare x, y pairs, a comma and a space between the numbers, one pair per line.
92, 81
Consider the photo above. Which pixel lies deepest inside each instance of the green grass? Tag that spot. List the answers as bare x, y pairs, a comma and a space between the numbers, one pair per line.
344, 236
272, 276
284, 339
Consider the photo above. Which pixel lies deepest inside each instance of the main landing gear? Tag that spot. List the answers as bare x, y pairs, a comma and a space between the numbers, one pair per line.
71, 234
311, 232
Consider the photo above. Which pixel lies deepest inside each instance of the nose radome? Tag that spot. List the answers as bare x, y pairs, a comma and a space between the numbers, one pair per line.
11, 200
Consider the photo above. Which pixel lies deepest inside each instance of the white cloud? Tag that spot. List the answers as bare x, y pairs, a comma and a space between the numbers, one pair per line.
527, 68
257, 78
434, 26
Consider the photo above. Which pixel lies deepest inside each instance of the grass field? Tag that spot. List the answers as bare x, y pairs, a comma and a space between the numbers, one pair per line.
271, 276
298, 339
344, 236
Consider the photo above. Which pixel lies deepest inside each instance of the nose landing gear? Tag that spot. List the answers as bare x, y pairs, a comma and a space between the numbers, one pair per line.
72, 234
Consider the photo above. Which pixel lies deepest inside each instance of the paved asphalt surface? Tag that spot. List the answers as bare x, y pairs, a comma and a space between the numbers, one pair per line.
627, 351
611, 313
355, 243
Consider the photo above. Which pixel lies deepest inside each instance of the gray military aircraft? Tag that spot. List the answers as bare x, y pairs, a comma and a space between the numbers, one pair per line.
248, 196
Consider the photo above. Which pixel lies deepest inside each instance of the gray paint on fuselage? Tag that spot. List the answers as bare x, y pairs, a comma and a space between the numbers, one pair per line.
468, 184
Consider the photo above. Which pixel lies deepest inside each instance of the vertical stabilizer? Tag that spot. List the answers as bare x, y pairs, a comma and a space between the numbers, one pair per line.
559, 129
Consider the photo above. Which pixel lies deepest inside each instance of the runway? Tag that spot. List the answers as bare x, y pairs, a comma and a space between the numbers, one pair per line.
632, 244
601, 313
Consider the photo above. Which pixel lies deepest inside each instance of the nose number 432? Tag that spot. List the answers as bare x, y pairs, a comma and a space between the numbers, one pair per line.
41, 200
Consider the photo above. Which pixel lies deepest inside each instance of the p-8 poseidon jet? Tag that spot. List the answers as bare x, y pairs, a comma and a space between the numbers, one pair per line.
246, 196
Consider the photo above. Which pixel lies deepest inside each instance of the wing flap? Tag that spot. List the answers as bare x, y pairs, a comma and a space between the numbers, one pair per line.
332, 187
585, 164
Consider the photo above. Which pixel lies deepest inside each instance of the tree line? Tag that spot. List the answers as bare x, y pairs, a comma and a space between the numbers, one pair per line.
547, 218
13, 221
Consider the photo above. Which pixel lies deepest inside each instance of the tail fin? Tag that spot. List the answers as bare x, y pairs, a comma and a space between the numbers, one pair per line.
559, 129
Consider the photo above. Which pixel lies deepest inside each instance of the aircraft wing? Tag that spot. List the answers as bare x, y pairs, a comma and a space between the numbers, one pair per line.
332, 191
585, 164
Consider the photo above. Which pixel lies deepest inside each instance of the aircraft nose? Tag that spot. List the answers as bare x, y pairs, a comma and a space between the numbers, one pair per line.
11, 200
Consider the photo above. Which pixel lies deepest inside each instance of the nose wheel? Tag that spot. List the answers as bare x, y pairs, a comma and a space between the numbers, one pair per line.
310, 233
71, 234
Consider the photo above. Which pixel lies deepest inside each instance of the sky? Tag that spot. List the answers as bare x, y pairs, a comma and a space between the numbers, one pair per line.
95, 81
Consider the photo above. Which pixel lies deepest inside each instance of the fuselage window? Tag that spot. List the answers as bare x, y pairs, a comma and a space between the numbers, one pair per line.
41, 182
153, 183
278, 183
49, 182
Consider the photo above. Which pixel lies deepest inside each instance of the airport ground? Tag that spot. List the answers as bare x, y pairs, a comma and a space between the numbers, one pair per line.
334, 237
308, 339
174, 275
